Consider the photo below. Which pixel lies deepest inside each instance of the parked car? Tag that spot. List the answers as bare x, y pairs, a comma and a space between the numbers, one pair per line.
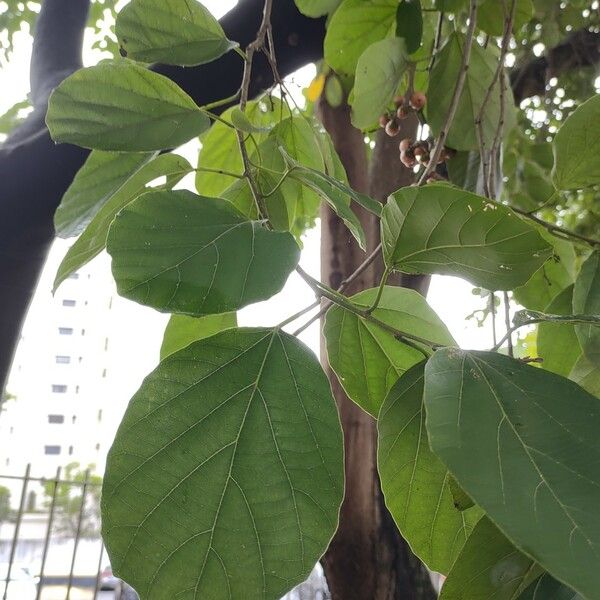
107, 580
21, 586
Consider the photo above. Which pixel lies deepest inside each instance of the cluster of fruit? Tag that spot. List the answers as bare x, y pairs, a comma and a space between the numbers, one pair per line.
411, 152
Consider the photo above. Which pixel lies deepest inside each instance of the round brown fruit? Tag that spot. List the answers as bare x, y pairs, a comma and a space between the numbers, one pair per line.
403, 112
407, 160
384, 120
398, 101
392, 128
418, 100
405, 144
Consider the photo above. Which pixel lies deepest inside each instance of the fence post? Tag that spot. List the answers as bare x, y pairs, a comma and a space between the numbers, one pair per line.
13, 548
79, 521
48, 534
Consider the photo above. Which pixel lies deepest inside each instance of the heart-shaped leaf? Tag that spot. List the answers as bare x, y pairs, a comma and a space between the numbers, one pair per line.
523, 443
226, 475
123, 107
175, 32
179, 252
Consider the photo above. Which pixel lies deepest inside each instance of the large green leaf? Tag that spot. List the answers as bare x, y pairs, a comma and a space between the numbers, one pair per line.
463, 132
220, 150
179, 252
354, 26
441, 229
176, 32
586, 300
489, 567
557, 343
409, 24
547, 588
102, 175
577, 148
93, 239
523, 443
378, 73
368, 359
226, 475
551, 278
123, 107
316, 8
182, 330
415, 483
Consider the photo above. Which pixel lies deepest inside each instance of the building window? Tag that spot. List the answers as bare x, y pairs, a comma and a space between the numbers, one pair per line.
104, 372
97, 447
63, 360
52, 450
59, 388
69, 303
83, 332
74, 276
65, 331
56, 419
74, 419
70, 450
105, 344
99, 415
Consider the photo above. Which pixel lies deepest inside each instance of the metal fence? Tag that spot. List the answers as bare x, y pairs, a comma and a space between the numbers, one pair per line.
38, 550
18, 546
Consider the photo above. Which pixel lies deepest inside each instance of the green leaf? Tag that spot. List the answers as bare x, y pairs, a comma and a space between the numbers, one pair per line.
586, 300
182, 330
547, 588
334, 91
121, 106
491, 15
577, 148
558, 344
102, 175
378, 74
12, 117
551, 278
334, 187
179, 252
354, 26
463, 132
464, 169
317, 8
175, 32
415, 483
93, 239
587, 374
489, 567
441, 229
242, 123
367, 359
523, 443
409, 24
231, 456
220, 149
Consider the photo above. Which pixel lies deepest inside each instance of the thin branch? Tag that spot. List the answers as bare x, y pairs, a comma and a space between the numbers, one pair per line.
509, 14
436, 41
458, 88
507, 323
322, 290
493, 312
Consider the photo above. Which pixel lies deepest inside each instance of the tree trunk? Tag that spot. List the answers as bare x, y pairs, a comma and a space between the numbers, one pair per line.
367, 558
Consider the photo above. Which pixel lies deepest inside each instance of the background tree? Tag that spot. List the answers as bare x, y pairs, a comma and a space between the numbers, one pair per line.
368, 558
4, 504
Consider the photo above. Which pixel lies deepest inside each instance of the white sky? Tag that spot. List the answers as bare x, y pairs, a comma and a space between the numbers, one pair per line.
450, 297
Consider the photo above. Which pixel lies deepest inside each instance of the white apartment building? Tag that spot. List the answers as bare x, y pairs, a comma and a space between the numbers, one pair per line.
83, 353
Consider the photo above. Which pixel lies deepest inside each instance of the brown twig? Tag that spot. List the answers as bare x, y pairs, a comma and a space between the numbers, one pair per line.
507, 322
458, 88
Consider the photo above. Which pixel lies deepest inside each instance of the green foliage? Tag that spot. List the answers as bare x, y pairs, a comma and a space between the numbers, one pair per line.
577, 148
108, 201
231, 455
415, 482
516, 443
226, 476
378, 74
367, 358
489, 566
4, 503
122, 107
203, 258
182, 330
174, 32
441, 229
463, 132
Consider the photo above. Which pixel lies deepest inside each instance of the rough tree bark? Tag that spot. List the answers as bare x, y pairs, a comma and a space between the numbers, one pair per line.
367, 558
